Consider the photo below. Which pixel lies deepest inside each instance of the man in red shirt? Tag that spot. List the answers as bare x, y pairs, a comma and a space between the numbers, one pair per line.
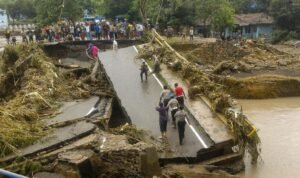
180, 95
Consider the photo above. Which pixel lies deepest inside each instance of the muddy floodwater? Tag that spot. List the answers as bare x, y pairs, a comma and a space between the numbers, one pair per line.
278, 121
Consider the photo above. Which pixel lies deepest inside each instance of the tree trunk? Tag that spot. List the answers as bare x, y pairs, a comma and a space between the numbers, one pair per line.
142, 5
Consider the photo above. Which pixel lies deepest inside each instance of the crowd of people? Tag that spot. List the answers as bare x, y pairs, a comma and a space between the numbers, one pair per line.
104, 30
64, 31
171, 105
169, 32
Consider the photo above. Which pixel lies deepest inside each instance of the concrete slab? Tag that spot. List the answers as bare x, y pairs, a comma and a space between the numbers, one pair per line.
139, 100
84, 63
72, 111
55, 139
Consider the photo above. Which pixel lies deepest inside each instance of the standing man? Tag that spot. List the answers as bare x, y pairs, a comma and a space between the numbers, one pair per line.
30, 35
180, 118
7, 36
156, 68
173, 105
180, 95
164, 94
163, 120
192, 33
98, 31
144, 70
72, 31
156, 64
24, 37
183, 35
88, 31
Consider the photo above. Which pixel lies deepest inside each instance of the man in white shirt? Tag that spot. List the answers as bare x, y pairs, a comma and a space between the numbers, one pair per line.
88, 31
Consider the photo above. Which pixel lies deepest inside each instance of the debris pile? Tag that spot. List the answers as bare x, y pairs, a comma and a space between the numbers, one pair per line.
109, 156
231, 57
249, 69
123, 159
31, 87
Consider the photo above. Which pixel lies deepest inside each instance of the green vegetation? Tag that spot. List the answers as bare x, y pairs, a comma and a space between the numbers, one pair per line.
286, 14
218, 12
176, 13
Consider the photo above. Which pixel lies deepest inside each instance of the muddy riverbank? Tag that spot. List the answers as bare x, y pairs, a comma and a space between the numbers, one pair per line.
248, 69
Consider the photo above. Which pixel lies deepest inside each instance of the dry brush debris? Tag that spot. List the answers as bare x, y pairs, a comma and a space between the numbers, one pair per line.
32, 86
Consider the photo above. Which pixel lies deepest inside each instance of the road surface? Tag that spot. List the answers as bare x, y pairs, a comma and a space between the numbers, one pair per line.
139, 99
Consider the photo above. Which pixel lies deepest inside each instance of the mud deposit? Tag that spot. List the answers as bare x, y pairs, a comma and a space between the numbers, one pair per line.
248, 69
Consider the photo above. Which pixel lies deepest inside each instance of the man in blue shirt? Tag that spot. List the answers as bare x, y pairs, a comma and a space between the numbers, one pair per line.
98, 31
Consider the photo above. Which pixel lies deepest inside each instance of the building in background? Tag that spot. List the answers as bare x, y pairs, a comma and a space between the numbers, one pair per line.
253, 25
3, 19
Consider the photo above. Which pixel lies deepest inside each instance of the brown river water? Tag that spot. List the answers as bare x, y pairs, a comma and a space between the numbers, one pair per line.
278, 121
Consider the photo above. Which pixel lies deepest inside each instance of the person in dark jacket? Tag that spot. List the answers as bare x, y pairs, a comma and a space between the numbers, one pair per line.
144, 70
181, 118
163, 120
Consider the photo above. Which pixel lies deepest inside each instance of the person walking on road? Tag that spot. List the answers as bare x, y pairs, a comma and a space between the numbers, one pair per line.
164, 94
173, 105
163, 120
180, 118
180, 95
144, 71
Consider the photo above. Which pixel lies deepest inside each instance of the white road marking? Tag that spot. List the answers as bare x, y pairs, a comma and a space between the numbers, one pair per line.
91, 110
134, 47
197, 135
162, 86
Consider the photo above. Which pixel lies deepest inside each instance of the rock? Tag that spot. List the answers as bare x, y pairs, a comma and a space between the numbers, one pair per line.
244, 67
79, 162
225, 67
149, 163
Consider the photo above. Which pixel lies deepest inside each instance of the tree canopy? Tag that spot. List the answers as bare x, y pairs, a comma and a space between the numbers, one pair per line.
51, 11
18, 9
219, 13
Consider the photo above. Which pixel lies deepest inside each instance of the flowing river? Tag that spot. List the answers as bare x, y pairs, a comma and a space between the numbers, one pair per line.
278, 121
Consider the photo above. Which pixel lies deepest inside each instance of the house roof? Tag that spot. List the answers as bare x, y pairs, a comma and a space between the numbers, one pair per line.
253, 18
245, 19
